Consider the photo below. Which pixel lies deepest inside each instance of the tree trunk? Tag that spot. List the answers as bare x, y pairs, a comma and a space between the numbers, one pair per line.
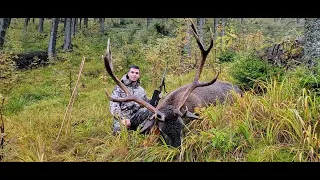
64, 24
187, 46
26, 22
53, 39
148, 22
298, 20
121, 21
101, 25
215, 28
4, 24
200, 22
73, 30
312, 41
40, 27
75, 24
188, 41
85, 22
223, 23
67, 35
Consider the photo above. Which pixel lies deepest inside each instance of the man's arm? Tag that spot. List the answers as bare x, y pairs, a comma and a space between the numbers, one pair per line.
145, 97
115, 106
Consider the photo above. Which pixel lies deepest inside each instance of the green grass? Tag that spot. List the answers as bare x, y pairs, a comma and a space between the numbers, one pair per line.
280, 124
268, 127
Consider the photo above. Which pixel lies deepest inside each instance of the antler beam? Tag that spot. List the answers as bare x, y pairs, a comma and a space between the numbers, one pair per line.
204, 54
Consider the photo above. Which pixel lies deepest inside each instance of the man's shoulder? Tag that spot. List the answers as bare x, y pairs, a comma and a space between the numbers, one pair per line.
141, 89
117, 89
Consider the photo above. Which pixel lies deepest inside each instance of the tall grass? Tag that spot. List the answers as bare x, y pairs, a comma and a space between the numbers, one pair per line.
279, 125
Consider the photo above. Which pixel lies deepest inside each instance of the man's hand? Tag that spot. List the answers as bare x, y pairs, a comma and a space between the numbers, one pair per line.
126, 122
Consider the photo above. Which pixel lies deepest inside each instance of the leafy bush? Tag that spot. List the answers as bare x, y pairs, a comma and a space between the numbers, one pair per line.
147, 36
227, 56
311, 82
248, 69
309, 78
161, 28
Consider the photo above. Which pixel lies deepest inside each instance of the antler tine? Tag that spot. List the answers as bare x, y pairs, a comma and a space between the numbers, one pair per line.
204, 54
108, 65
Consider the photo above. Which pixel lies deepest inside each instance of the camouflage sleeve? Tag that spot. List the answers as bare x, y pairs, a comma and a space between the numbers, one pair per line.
115, 106
145, 97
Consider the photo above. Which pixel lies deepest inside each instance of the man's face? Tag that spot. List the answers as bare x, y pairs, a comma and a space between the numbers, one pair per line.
134, 74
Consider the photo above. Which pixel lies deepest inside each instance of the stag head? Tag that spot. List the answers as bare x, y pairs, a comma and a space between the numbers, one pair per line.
168, 115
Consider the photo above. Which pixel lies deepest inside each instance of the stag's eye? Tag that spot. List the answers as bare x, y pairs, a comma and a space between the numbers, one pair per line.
160, 117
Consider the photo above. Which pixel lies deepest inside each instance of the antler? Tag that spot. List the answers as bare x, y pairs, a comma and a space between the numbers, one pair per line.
204, 54
108, 65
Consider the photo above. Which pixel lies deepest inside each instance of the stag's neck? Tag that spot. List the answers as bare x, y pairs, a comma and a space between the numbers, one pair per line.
173, 97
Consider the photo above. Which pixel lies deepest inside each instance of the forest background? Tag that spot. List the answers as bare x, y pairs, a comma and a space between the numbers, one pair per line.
53, 82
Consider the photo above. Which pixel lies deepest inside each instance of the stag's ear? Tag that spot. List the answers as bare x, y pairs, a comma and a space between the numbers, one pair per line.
147, 124
189, 114
178, 112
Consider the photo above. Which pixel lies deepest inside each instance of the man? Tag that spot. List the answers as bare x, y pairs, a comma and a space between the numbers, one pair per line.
124, 112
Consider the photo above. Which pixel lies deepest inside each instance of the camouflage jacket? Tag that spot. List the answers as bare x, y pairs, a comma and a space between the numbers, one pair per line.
124, 110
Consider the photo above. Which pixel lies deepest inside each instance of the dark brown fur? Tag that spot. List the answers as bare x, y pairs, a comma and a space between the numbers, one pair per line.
202, 96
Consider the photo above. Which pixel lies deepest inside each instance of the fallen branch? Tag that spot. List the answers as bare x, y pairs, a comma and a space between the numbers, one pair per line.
2, 134
72, 98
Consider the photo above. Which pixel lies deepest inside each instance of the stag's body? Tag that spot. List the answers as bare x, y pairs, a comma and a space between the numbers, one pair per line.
202, 96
